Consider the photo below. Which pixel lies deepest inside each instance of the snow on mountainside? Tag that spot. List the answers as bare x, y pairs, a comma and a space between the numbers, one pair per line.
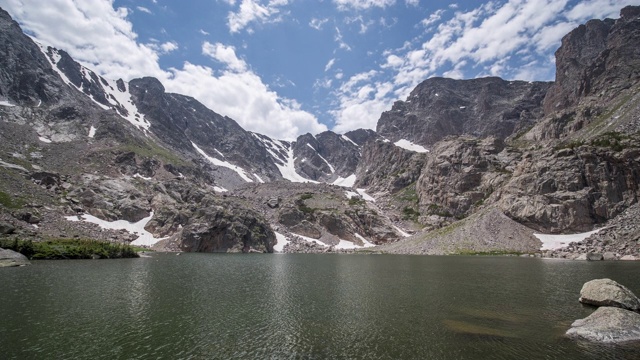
112, 94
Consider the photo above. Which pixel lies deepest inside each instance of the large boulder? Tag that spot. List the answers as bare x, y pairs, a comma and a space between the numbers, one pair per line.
11, 258
607, 325
606, 292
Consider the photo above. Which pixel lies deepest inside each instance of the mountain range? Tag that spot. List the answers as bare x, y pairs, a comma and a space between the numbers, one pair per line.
460, 166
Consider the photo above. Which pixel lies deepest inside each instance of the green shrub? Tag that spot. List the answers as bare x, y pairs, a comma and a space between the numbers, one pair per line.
69, 249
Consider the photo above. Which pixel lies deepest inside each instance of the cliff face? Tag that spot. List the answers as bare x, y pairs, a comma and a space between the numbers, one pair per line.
441, 107
600, 58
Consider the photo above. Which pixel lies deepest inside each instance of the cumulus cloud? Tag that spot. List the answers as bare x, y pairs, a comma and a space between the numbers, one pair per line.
243, 96
224, 54
169, 46
361, 101
101, 37
254, 11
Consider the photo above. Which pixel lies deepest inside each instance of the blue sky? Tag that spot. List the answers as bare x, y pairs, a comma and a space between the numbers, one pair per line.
287, 67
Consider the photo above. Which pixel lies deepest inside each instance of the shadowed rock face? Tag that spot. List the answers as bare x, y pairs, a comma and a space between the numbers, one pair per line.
440, 107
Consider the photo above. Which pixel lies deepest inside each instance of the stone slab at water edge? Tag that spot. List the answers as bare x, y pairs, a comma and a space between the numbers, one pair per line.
608, 325
10, 258
616, 320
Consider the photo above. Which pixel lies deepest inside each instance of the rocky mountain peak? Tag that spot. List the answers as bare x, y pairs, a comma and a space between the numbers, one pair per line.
441, 107
599, 58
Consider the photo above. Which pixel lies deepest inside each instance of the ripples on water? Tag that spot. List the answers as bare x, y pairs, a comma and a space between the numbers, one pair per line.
212, 306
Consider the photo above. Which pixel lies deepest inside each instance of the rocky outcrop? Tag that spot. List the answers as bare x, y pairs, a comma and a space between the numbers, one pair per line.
571, 189
607, 325
597, 58
385, 167
461, 174
10, 258
329, 156
606, 292
440, 107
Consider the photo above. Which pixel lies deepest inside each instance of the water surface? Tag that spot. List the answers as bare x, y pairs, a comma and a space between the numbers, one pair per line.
218, 306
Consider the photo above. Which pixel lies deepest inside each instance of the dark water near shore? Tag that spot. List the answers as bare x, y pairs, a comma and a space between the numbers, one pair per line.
206, 306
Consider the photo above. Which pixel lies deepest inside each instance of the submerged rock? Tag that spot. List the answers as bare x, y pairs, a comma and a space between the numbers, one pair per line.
10, 258
607, 325
606, 292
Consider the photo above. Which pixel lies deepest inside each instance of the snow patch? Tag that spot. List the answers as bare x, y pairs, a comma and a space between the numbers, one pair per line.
288, 170
345, 137
344, 244
142, 177
144, 237
351, 194
555, 242
366, 242
240, 171
11, 166
408, 145
219, 189
281, 242
259, 178
325, 160
44, 139
349, 181
6, 103
92, 131
401, 232
121, 101
365, 196
312, 148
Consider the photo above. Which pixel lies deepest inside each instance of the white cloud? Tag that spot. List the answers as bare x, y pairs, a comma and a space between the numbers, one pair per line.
317, 23
203, 32
341, 44
344, 5
596, 9
329, 64
254, 11
412, 2
224, 54
244, 97
144, 9
361, 101
101, 37
169, 46
433, 18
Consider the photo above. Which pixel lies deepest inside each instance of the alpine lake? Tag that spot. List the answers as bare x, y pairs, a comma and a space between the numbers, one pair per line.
298, 306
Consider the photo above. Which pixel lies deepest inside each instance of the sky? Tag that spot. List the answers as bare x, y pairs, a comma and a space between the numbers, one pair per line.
289, 67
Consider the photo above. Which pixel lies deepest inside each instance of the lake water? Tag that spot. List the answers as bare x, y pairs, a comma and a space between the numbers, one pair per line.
219, 306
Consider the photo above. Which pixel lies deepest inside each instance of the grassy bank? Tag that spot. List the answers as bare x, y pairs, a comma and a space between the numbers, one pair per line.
69, 249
